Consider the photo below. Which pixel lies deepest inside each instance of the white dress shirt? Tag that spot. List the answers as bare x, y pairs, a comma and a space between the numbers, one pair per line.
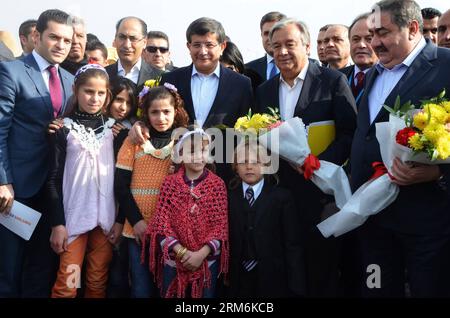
43, 64
133, 75
289, 95
257, 188
204, 90
388, 79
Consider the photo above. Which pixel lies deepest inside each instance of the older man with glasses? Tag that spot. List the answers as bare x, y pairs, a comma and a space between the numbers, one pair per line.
157, 52
130, 41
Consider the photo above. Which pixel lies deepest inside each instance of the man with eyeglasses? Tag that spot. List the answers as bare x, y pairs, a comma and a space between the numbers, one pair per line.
157, 52
130, 41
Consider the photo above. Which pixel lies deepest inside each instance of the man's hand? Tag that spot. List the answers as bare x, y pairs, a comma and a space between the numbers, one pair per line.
139, 230
55, 125
115, 233
6, 198
117, 128
138, 133
58, 239
408, 174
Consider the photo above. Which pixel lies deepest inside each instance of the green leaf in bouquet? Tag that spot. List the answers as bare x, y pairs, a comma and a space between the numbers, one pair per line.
221, 126
274, 112
399, 109
397, 103
390, 110
435, 100
406, 107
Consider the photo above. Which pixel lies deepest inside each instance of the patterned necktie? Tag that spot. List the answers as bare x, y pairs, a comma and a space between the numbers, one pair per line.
250, 196
359, 84
274, 70
54, 86
248, 265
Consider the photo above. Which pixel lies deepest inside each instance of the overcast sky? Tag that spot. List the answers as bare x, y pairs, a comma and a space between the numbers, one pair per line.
240, 18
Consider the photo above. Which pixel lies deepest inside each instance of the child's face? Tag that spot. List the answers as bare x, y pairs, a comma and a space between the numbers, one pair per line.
250, 171
194, 155
161, 114
92, 95
120, 106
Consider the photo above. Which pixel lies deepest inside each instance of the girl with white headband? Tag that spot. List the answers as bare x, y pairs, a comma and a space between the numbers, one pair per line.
189, 232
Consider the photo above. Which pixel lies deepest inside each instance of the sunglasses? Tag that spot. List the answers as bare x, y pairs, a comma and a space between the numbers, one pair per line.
153, 49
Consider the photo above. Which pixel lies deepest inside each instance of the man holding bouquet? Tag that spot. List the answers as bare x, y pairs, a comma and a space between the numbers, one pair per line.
412, 235
314, 94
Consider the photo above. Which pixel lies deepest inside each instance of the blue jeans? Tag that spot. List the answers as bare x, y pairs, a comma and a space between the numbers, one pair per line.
142, 283
170, 273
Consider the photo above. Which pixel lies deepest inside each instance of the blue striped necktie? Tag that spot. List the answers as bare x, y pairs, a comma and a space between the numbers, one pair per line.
250, 196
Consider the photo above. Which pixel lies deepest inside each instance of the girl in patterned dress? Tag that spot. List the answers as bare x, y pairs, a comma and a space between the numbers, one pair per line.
81, 187
140, 171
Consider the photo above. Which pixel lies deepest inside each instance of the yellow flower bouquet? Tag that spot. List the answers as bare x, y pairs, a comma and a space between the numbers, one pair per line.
257, 124
427, 130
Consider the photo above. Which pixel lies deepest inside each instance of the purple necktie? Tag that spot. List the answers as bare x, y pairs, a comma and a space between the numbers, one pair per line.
54, 86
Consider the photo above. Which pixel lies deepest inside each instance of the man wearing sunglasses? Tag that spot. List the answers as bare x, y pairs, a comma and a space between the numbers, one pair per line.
157, 52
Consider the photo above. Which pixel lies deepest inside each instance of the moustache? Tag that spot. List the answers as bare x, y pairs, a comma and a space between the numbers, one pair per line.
380, 49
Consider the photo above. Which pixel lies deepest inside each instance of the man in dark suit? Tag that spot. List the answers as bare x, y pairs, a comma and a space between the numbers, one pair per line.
130, 41
213, 95
157, 51
362, 55
26, 30
77, 57
265, 66
33, 91
314, 94
413, 234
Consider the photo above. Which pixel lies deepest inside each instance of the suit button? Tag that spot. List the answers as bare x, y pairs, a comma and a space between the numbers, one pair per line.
368, 138
251, 228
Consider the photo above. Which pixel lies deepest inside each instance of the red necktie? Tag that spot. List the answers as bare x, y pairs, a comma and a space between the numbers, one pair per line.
54, 86
359, 84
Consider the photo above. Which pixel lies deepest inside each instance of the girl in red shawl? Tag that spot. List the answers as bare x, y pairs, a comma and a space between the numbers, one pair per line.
190, 224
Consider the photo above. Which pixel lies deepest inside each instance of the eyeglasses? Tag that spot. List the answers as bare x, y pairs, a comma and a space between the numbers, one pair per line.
133, 39
153, 49
207, 45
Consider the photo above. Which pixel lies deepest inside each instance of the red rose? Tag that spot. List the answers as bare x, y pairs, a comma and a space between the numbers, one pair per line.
404, 135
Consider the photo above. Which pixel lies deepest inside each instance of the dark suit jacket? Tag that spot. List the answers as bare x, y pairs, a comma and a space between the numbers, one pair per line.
25, 112
259, 66
325, 96
233, 100
280, 269
147, 72
422, 208
347, 71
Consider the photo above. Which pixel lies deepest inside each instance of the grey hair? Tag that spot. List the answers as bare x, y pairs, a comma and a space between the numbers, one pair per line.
402, 12
77, 21
306, 38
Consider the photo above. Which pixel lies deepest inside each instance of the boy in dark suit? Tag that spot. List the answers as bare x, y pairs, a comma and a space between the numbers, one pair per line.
266, 256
